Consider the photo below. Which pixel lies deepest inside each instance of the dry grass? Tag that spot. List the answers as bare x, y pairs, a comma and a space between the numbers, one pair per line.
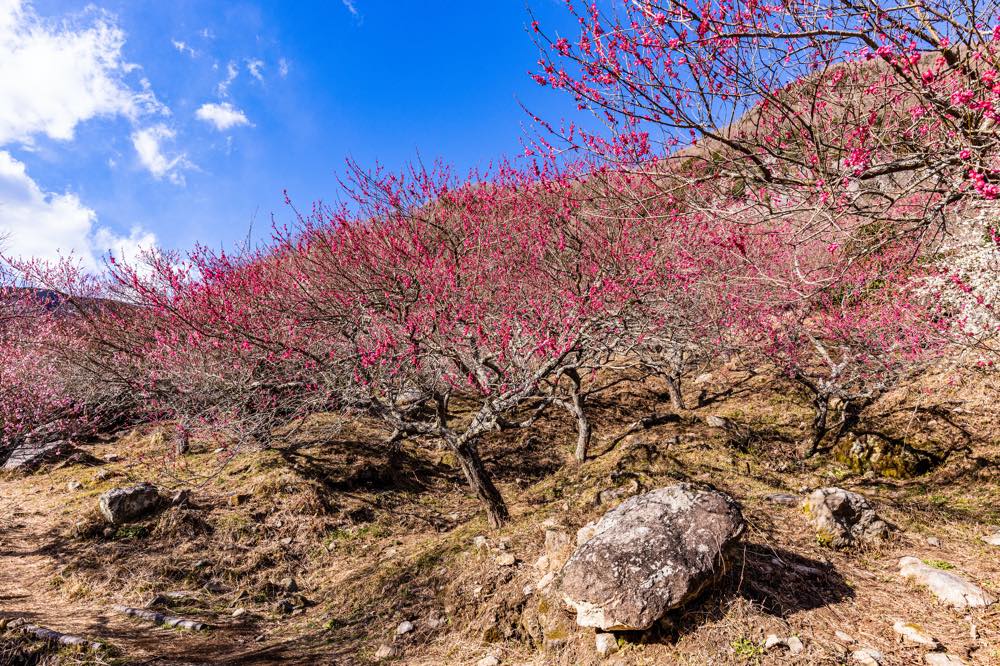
372, 544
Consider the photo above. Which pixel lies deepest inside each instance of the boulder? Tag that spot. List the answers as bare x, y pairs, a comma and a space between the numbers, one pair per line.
913, 632
652, 554
30, 455
124, 504
947, 586
842, 518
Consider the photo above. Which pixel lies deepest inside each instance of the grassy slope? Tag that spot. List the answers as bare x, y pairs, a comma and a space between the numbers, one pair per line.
371, 544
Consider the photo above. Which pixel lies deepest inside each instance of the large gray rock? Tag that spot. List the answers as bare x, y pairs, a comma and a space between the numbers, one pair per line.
843, 518
30, 455
124, 504
651, 554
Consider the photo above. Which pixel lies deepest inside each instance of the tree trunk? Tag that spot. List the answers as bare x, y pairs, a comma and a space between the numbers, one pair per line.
675, 393
576, 407
480, 481
821, 403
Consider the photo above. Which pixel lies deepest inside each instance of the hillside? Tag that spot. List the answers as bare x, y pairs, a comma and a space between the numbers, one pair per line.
316, 550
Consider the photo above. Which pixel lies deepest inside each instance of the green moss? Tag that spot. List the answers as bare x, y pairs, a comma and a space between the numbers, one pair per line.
939, 564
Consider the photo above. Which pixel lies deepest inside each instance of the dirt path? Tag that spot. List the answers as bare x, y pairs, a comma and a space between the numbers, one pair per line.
30, 559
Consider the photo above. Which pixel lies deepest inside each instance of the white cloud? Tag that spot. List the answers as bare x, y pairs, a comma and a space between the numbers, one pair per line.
232, 71
46, 225
184, 48
282, 68
256, 66
54, 76
223, 115
351, 8
148, 145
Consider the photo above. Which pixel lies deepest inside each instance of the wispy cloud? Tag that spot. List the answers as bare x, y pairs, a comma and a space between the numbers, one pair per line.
232, 71
223, 116
148, 145
353, 9
256, 67
282, 68
184, 47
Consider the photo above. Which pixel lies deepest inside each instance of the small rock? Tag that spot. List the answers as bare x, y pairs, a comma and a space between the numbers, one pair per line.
287, 541
435, 622
868, 657
103, 475
843, 518
783, 498
844, 637
545, 581
288, 584
933, 541
794, 644
914, 633
488, 660
605, 644
239, 612
772, 641
993, 539
942, 659
506, 560
528, 590
947, 586
112, 457
542, 563
703, 378
480, 543
123, 504
73, 486
215, 587
284, 606
181, 498
385, 652
404, 627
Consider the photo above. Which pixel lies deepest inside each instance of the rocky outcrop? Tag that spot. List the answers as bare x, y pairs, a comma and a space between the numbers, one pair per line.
947, 586
843, 519
124, 504
652, 554
29, 456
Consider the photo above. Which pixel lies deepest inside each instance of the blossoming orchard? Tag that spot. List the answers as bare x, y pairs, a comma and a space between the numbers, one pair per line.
803, 187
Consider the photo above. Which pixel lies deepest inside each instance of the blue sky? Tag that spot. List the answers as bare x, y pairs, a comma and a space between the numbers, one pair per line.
126, 122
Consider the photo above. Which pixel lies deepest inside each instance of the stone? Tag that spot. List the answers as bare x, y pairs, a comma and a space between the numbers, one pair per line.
942, 659
480, 543
103, 475
73, 486
843, 519
914, 633
868, 657
795, 645
947, 586
703, 378
121, 505
385, 652
239, 612
772, 641
605, 644
544, 582
488, 660
993, 539
30, 455
933, 541
542, 564
288, 584
783, 498
650, 555
181, 498
841, 636
404, 627
506, 559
